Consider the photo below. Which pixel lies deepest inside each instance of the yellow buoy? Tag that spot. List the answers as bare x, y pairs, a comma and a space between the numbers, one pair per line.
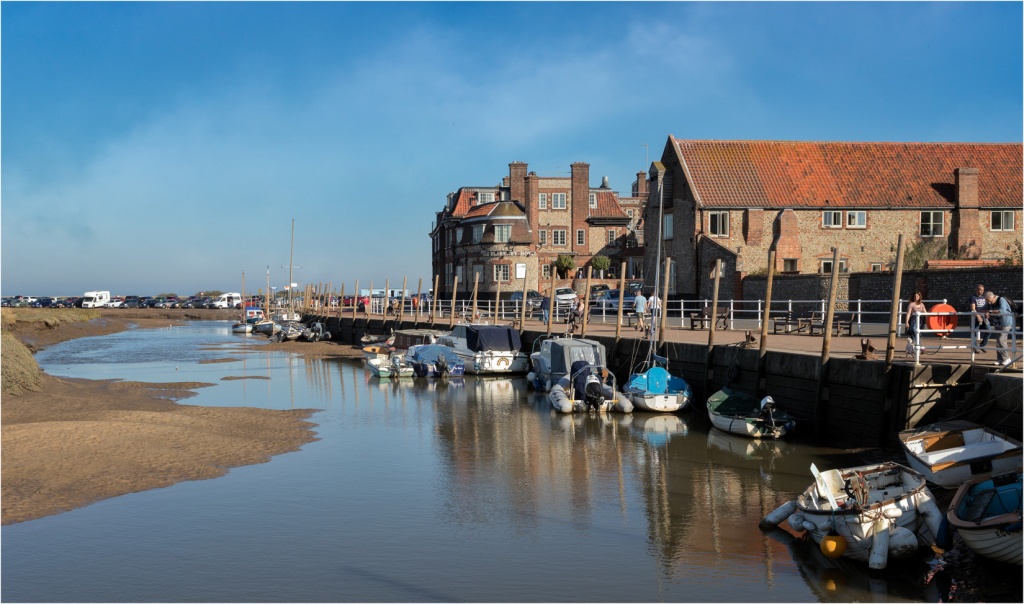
833, 545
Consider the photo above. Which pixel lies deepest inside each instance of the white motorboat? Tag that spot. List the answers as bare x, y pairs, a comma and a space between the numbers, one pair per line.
573, 373
987, 514
400, 342
951, 453
881, 512
487, 349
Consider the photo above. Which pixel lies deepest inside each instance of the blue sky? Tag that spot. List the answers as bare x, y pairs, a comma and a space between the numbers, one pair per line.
166, 147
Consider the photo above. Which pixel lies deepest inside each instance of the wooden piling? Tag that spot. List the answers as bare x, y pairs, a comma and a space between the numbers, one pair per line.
551, 300
455, 294
522, 310
622, 294
417, 307
401, 305
708, 370
762, 350
586, 301
433, 299
476, 288
826, 347
894, 307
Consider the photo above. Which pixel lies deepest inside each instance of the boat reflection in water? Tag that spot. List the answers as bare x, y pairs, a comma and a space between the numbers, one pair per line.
659, 429
843, 580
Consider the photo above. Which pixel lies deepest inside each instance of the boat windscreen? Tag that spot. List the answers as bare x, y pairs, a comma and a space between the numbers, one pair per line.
493, 337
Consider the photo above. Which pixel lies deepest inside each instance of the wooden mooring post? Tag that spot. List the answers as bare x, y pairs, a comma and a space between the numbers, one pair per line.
622, 295
821, 401
762, 350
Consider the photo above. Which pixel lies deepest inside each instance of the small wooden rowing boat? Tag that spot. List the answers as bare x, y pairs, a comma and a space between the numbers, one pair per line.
950, 453
740, 413
987, 514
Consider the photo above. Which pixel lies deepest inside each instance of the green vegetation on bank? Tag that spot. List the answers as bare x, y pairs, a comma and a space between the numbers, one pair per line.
19, 371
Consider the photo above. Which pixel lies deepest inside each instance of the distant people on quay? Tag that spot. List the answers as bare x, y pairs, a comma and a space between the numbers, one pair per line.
545, 308
1000, 317
640, 308
979, 318
914, 307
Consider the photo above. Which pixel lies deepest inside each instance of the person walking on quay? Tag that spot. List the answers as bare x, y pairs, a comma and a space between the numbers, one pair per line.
640, 308
545, 307
914, 307
979, 318
655, 305
1000, 317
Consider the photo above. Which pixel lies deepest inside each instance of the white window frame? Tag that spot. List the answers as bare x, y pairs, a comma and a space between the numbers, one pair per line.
592, 200
581, 237
542, 237
1004, 217
501, 273
928, 220
825, 265
545, 271
832, 219
794, 269
478, 233
485, 197
558, 237
558, 201
542, 201
629, 213
856, 219
722, 229
612, 236
876, 267
502, 233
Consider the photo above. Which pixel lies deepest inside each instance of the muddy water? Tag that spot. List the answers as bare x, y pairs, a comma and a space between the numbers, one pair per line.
459, 490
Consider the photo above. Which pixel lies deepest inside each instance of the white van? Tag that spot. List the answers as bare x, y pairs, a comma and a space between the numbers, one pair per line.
95, 299
228, 300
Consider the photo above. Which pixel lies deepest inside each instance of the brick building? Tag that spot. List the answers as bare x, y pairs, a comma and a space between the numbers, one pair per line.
736, 200
515, 231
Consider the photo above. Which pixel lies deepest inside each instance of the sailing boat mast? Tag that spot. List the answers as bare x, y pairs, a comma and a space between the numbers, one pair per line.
291, 258
657, 263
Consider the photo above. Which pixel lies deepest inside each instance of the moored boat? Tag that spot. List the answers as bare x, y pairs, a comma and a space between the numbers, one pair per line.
573, 372
435, 360
656, 390
881, 512
950, 453
744, 414
987, 514
487, 349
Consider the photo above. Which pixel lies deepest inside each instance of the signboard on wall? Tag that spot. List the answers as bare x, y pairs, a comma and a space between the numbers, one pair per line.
520, 270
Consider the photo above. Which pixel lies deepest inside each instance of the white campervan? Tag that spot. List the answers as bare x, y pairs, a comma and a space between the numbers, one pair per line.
95, 299
228, 300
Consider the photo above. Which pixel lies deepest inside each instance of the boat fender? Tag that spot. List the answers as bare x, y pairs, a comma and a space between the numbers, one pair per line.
623, 405
945, 537
531, 379
773, 518
893, 513
878, 555
927, 508
833, 545
799, 523
902, 543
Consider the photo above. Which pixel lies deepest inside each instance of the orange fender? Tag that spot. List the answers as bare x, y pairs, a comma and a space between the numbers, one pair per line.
943, 324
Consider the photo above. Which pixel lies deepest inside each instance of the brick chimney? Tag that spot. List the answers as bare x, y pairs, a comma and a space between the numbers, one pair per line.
640, 186
516, 180
530, 187
580, 205
966, 235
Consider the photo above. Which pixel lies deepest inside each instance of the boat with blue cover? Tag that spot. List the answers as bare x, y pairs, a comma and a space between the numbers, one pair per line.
987, 514
435, 360
656, 390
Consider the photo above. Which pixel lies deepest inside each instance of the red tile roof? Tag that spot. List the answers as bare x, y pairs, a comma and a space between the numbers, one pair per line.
788, 174
607, 206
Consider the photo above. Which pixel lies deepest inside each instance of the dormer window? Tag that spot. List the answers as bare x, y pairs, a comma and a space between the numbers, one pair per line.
593, 200
486, 197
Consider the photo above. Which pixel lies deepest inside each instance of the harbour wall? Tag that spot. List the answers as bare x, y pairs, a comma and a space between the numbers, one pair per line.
854, 403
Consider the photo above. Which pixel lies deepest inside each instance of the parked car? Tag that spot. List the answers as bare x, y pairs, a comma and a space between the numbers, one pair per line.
43, 302
634, 287
596, 290
533, 298
115, 303
608, 302
565, 296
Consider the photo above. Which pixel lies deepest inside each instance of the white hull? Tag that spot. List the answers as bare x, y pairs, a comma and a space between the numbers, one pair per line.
241, 328
378, 368
560, 400
658, 403
494, 363
994, 543
949, 454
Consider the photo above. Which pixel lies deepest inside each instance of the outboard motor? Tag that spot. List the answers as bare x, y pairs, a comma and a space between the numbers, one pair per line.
586, 386
441, 365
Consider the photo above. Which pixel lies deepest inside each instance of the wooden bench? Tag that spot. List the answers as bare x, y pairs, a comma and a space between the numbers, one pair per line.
702, 318
790, 322
839, 324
